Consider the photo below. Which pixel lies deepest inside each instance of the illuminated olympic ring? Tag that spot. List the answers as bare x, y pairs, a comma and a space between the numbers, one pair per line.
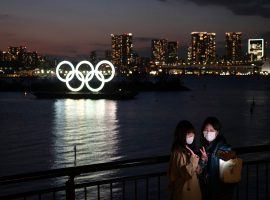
89, 76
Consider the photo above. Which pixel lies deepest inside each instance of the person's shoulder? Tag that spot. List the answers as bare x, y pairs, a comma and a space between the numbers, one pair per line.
179, 152
223, 145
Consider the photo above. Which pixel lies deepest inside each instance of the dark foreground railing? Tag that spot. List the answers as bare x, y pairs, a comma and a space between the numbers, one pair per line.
150, 185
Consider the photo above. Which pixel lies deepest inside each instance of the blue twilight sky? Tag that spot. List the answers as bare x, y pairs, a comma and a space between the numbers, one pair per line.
77, 27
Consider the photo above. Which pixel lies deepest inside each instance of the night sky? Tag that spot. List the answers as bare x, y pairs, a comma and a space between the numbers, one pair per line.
77, 27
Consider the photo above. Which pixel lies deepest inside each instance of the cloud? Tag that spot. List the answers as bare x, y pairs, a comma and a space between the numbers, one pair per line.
252, 8
238, 7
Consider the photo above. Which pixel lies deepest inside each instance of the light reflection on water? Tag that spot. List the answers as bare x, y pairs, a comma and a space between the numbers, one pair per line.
41, 134
90, 125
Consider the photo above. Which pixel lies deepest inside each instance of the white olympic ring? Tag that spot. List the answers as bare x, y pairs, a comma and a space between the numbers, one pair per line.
89, 76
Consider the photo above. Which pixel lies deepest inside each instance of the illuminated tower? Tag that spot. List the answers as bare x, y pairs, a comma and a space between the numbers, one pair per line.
189, 54
121, 49
172, 54
211, 48
203, 47
234, 46
159, 51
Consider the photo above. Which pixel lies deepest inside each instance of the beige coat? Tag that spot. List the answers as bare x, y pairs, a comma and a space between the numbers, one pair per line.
184, 184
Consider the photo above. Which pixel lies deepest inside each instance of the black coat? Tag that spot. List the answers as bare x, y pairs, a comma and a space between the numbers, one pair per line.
212, 187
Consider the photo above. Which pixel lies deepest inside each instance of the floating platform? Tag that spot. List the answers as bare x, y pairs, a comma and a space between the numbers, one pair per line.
118, 95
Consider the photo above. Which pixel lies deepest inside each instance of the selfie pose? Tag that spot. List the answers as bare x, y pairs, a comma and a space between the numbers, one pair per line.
214, 150
182, 173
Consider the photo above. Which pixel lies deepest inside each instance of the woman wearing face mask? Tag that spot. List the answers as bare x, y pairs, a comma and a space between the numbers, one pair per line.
182, 173
212, 142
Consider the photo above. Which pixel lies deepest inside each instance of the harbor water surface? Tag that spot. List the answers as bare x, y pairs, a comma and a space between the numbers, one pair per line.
41, 134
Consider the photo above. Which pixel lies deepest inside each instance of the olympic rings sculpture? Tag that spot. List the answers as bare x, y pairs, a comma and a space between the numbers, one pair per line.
94, 71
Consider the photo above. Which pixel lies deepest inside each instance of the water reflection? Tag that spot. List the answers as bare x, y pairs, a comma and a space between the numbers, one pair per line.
91, 125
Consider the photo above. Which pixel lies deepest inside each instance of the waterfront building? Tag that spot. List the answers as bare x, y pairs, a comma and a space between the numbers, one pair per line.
233, 47
266, 67
172, 54
211, 48
7, 57
159, 51
22, 56
203, 48
122, 49
17, 53
256, 49
31, 58
189, 54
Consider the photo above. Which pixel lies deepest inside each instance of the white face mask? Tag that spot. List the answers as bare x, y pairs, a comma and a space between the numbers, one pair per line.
209, 135
189, 140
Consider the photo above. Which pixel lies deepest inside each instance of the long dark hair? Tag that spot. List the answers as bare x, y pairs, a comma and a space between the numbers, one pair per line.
180, 133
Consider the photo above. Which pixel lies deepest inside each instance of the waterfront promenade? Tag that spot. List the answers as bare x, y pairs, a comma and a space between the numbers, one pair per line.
143, 185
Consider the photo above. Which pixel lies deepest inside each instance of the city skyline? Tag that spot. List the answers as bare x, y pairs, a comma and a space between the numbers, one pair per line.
67, 28
202, 49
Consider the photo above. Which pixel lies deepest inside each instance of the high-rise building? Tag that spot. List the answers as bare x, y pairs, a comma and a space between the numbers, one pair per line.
234, 46
189, 54
198, 46
159, 51
211, 48
172, 54
203, 47
121, 49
